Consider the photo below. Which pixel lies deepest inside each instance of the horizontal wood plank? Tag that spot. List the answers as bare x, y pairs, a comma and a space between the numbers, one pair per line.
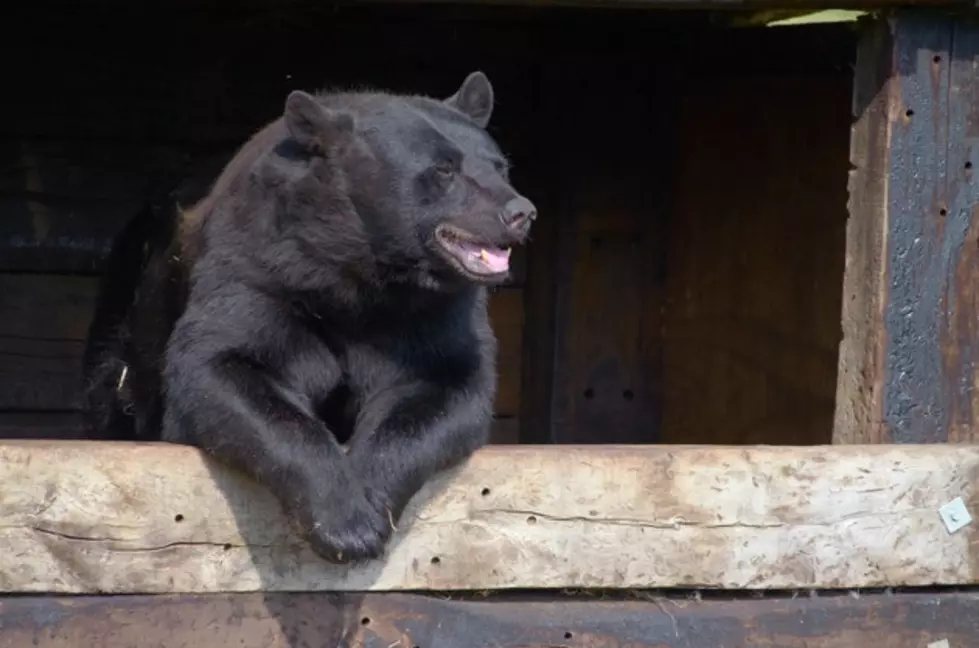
46, 307
42, 425
42, 332
913, 620
90, 517
40, 374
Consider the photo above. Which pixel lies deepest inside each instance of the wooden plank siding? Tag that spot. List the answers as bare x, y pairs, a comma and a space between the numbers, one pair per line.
689, 291
646, 620
752, 300
101, 517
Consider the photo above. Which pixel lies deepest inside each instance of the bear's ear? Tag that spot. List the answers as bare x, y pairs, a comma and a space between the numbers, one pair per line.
474, 98
311, 124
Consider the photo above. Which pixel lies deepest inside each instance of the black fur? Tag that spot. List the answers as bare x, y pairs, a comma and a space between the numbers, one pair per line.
140, 298
312, 304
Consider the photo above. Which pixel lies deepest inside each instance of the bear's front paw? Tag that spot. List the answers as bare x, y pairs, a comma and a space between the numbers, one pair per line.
346, 530
384, 504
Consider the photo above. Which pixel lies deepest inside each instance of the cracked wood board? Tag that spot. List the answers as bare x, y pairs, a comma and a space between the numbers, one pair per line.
89, 517
540, 620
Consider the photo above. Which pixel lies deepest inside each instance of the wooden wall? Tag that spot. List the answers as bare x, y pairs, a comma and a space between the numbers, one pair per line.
690, 291
755, 255
660, 174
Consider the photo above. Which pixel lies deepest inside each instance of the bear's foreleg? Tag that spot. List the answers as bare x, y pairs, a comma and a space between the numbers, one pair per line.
406, 436
234, 411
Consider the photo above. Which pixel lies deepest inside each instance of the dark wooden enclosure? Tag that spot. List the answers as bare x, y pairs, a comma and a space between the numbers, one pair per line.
748, 236
684, 281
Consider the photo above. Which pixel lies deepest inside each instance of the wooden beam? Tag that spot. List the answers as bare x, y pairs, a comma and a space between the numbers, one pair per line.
42, 331
406, 620
90, 517
908, 363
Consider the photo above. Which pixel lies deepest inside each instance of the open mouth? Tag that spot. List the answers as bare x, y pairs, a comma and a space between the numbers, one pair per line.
475, 257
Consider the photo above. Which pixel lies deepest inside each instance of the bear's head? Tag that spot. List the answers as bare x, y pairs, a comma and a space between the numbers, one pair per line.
428, 186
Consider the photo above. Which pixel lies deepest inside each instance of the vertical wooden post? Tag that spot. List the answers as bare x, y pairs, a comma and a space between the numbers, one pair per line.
910, 351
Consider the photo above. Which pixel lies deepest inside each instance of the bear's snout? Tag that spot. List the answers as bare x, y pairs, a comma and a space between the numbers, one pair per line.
518, 214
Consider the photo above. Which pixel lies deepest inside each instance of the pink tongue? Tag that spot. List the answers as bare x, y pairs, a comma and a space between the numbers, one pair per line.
496, 260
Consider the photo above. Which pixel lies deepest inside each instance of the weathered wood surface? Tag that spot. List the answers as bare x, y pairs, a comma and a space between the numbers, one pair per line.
87, 517
415, 621
907, 364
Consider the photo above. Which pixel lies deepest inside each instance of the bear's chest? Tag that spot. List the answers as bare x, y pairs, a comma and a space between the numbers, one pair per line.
443, 358
377, 372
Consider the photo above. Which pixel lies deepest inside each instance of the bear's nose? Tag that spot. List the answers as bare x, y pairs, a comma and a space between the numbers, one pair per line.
519, 212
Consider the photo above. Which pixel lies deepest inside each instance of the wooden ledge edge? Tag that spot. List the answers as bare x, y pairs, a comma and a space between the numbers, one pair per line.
100, 517
382, 620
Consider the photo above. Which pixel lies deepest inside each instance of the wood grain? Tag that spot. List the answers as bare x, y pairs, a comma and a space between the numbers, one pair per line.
858, 388
87, 517
301, 620
908, 369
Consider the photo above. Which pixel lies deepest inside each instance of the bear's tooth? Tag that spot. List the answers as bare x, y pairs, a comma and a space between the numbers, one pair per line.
508, 251
484, 255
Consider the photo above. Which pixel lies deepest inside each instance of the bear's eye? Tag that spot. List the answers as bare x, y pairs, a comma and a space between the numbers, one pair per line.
445, 170
502, 167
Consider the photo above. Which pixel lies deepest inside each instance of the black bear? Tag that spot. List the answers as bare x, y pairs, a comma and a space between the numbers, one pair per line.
319, 319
